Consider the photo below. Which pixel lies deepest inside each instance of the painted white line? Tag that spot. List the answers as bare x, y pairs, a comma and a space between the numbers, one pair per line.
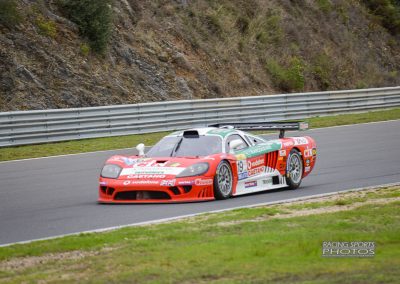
66, 155
121, 149
165, 220
355, 124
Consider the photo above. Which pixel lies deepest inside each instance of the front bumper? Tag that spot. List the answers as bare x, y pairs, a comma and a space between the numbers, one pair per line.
155, 191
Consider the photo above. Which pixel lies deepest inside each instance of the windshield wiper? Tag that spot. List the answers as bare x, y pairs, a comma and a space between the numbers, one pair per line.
176, 147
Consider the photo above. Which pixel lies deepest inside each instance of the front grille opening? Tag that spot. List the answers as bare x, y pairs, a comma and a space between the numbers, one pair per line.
275, 180
180, 189
142, 195
110, 191
175, 190
103, 189
187, 188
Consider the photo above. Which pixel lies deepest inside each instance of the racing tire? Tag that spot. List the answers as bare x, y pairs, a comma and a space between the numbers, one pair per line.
223, 181
294, 169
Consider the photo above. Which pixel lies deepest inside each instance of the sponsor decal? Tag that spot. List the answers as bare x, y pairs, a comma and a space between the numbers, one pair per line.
307, 153
140, 182
186, 182
170, 182
255, 162
256, 171
314, 152
256, 165
300, 141
145, 176
200, 181
260, 149
267, 181
308, 162
250, 184
243, 176
103, 183
282, 153
288, 144
151, 163
307, 169
152, 171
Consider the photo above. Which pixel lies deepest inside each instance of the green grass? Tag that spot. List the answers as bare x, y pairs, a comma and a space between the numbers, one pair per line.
109, 143
201, 250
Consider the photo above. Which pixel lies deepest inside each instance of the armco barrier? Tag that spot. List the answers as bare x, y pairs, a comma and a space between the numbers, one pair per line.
41, 126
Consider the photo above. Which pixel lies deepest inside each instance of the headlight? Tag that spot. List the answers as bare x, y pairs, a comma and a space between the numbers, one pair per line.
111, 171
194, 170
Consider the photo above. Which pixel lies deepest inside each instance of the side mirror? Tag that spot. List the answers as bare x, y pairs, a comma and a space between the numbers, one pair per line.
234, 144
140, 147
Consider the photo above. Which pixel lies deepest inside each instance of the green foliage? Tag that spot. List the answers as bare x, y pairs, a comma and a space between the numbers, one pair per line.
9, 15
46, 27
267, 29
94, 18
322, 70
325, 5
388, 12
85, 49
289, 78
213, 23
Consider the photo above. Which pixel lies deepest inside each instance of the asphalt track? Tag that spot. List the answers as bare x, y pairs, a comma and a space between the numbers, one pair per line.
47, 197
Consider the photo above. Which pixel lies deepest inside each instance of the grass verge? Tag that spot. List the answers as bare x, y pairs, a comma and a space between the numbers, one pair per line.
110, 143
275, 244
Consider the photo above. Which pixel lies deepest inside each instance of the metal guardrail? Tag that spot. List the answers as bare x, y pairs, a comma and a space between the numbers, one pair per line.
41, 126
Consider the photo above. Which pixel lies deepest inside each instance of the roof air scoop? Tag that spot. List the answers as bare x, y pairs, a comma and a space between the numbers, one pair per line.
191, 134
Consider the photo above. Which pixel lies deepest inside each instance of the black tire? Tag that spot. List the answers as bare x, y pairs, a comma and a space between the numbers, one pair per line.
223, 181
294, 169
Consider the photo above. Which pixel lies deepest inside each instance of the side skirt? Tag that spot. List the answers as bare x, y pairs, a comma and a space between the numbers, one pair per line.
265, 181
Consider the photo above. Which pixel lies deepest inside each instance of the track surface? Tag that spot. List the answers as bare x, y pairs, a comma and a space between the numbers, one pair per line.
52, 196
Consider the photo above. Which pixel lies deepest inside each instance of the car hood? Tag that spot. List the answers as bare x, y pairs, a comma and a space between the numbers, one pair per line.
160, 167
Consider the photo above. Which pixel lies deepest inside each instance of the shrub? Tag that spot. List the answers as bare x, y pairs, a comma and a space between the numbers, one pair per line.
94, 18
322, 66
325, 5
268, 29
85, 49
9, 15
388, 12
289, 78
46, 27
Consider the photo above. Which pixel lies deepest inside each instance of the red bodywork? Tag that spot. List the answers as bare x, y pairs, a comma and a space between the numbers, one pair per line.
164, 187
158, 182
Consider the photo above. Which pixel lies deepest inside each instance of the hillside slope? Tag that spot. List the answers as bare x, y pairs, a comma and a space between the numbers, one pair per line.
183, 49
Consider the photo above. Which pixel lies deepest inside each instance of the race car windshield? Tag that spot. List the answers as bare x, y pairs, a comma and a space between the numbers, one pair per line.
183, 146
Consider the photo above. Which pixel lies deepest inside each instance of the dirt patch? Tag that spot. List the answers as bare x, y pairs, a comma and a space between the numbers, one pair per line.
22, 263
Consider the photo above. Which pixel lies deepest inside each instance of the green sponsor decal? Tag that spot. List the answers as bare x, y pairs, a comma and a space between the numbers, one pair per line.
221, 132
269, 146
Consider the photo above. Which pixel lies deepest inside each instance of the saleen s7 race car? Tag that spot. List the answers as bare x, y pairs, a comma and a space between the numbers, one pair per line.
214, 162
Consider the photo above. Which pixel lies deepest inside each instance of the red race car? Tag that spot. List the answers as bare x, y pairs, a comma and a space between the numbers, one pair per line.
214, 162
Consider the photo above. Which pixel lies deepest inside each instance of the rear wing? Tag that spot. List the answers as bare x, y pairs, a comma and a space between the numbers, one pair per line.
281, 126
